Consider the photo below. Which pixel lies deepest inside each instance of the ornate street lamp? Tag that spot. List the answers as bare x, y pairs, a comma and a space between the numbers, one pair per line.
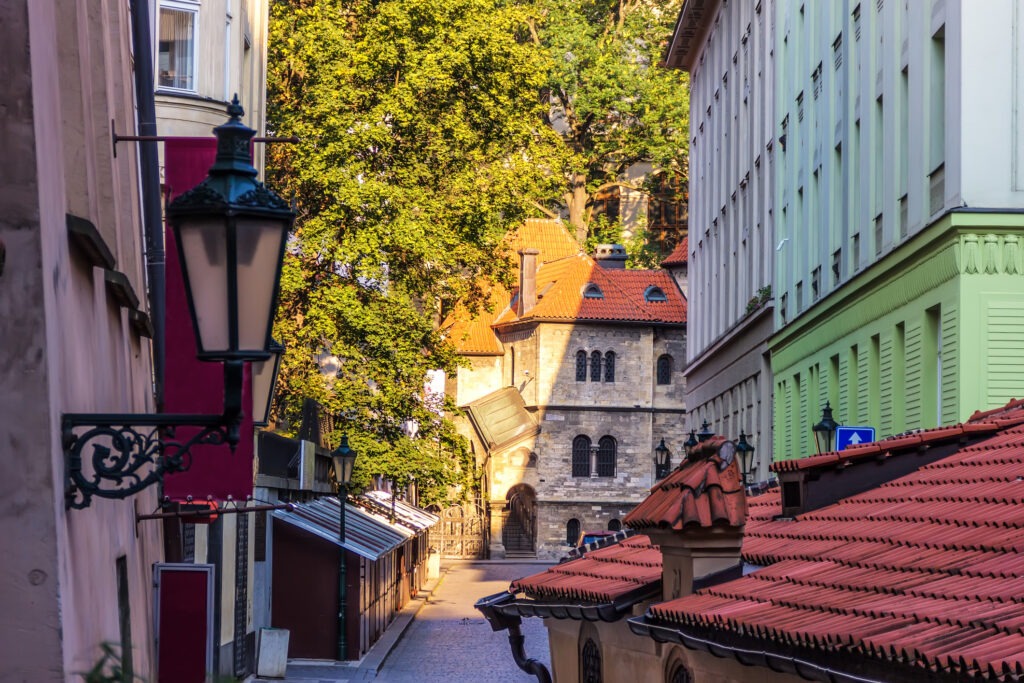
264, 379
825, 430
691, 440
661, 460
231, 233
344, 461
705, 432
746, 453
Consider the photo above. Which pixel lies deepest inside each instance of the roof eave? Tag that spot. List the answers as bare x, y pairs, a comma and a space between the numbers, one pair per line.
689, 33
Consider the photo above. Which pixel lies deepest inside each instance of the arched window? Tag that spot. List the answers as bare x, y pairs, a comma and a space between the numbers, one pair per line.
609, 366
590, 663
614, 525
592, 291
664, 369
595, 366
606, 457
680, 675
581, 456
655, 293
572, 531
581, 366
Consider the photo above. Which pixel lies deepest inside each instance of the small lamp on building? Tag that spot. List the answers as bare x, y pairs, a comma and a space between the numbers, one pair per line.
344, 462
825, 430
691, 440
705, 432
746, 453
264, 381
661, 460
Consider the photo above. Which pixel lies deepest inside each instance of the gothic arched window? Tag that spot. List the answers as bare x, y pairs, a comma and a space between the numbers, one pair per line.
572, 531
664, 369
609, 366
680, 675
595, 366
606, 457
581, 366
581, 456
590, 663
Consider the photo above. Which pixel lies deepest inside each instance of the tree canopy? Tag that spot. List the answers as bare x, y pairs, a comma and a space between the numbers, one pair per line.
428, 129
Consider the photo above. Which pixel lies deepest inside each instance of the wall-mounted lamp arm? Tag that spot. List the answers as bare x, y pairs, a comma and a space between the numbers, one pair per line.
125, 460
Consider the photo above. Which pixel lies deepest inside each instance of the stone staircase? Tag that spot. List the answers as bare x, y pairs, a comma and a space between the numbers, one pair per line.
518, 541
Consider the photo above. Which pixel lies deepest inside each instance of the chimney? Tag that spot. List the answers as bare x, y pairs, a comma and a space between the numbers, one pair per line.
527, 281
611, 256
696, 516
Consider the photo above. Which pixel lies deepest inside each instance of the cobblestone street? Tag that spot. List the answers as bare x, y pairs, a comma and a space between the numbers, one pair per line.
449, 641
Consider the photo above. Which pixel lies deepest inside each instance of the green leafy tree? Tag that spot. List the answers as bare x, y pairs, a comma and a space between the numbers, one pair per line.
611, 103
422, 143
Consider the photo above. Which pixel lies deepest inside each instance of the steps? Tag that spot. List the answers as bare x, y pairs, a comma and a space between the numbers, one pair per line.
520, 554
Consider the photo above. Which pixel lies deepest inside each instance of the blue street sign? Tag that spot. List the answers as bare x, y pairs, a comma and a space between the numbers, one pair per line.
852, 436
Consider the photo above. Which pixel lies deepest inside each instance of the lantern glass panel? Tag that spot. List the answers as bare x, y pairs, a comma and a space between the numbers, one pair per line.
204, 253
263, 372
259, 247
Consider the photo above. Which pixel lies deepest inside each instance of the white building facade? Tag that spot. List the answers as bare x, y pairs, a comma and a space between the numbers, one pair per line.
727, 47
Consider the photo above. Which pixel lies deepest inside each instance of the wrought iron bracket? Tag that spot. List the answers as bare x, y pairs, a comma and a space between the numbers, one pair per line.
125, 459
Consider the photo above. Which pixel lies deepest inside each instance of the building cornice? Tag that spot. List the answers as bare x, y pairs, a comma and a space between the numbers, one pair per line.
740, 328
690, 32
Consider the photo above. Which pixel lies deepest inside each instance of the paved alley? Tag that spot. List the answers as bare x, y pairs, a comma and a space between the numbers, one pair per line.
449, 641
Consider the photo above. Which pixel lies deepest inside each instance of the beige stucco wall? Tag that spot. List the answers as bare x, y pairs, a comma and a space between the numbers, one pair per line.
627, 657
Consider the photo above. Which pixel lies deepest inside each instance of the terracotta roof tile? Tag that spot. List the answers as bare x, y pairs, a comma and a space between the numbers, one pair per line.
704, 491
602, 575
927, 570
679, 256
473, 334
548, 236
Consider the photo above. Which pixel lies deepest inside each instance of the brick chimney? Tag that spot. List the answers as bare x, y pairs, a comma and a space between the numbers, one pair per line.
696, 515
527, 281
611, 256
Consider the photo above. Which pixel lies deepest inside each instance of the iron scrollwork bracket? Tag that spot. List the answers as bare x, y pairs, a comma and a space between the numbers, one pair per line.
130, 452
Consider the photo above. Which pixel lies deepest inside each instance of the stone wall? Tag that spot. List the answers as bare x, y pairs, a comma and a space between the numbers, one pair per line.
553, 518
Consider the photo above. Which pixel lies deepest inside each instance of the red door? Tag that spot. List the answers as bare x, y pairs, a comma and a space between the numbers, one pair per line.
184, 622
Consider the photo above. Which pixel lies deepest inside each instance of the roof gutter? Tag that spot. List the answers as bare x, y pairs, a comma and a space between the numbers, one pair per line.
490, 607
775, 661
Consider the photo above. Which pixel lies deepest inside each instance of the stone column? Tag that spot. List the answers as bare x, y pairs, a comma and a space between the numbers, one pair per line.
496, 550
694, 553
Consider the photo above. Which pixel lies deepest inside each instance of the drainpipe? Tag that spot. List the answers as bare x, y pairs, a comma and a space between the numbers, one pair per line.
531, 666
149, 166
500, 621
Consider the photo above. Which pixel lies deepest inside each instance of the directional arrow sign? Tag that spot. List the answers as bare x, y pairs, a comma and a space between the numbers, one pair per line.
852, 436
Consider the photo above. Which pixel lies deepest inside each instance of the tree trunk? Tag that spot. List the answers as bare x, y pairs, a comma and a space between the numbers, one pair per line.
577, 207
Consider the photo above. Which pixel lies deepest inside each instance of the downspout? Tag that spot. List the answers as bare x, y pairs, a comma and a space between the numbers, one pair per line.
149, 166
531, 666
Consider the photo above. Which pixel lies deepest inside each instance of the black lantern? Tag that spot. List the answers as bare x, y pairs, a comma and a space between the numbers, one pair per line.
344, 461
264, 379
746, 453
705, 432
691, 441
661, 460
825, 430
231, 233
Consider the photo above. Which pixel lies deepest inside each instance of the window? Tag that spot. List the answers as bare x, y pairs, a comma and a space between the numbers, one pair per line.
572, 531
581, 366
664, 369
614, 525
609, 366
590, 663
837, 266
176, 57
595, 366
606, 457
816, 283
680, 675
581, 456
654, 293
592, 291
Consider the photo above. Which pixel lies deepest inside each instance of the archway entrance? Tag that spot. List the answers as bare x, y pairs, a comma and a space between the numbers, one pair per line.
519, 529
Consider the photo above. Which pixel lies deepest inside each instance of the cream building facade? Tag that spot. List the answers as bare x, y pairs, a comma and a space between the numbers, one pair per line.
565, 400
727, 47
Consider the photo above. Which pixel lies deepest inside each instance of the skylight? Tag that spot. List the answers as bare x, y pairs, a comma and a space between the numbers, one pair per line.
654, 293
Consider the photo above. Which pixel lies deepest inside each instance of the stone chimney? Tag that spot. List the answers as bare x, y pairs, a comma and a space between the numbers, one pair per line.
696, 515
527, 281
611, 256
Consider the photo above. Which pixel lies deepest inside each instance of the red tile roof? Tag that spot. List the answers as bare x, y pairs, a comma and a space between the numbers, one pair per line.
704, 491
602, 575
560, 286
546, 235
925, 571
679, 256
473, 334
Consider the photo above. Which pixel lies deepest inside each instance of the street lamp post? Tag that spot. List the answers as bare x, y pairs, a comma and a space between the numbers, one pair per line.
746, 452
344, 460
705, 432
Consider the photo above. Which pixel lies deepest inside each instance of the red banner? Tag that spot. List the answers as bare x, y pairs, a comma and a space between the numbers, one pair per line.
190, 385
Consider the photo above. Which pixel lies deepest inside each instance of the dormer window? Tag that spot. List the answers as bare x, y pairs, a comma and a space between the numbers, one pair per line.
655, 293
592, 291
